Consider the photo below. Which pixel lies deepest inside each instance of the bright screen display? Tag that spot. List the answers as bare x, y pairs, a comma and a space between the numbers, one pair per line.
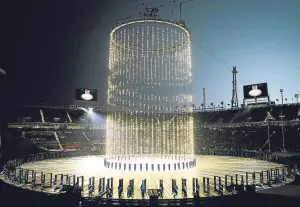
84, 94
258, 90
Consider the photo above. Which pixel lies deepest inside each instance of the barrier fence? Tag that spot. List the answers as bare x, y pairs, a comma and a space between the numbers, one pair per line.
214, 185
218, 185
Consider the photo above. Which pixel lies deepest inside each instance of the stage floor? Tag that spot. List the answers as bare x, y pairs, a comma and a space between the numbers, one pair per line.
207, 166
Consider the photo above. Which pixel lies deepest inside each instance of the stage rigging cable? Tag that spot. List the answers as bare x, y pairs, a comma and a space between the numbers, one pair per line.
176, 4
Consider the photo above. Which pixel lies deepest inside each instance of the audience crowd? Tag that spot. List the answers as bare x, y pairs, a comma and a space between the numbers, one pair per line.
243, 128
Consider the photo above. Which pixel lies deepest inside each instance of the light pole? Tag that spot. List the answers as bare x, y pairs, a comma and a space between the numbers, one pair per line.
296, 97
282, 131
269, 118
281, 91
281, 117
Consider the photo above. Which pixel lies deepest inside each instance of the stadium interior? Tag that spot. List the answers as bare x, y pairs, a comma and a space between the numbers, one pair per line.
235, 155
44, 129
58, 129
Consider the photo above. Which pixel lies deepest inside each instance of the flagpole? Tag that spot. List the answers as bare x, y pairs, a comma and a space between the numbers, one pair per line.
282, 131
269, 136
267, 119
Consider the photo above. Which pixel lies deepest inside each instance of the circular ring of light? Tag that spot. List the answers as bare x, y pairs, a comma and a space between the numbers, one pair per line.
255, 93
87, 97
151, 21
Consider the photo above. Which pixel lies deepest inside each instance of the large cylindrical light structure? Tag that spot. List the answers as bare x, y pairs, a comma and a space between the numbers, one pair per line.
149, 87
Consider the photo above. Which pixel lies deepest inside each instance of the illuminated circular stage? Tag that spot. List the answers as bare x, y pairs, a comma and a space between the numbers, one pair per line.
207, 166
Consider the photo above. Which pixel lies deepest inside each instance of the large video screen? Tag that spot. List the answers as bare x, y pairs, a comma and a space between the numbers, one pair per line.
259, 90
84, 94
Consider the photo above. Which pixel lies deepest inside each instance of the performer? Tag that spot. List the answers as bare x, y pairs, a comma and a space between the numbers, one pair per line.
99, 188
143, 191
261, 180
197, 191
42, 184
175, 190
54, 185
185, 191
221, 189
33, 183
253, 182
129, 191
61, 187
76, 187
120, 190
68, 180
107, 190
277, 180
161, 190
234, 191
295, 169
90, 190
54, 182
244, 186
208, 189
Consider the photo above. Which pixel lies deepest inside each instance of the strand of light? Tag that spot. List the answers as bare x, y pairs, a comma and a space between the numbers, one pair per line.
149, 75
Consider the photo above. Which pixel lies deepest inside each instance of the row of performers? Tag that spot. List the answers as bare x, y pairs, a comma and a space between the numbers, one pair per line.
177, 166
133, 157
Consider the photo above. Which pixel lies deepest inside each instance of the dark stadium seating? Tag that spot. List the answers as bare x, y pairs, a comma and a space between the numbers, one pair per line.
76, 115
44, 139
247, 137
253, 114
28, 114
209, 130
46, 114
55, 115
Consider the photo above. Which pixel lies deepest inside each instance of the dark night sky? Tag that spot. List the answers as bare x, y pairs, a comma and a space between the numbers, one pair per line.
43, 50
50, 47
